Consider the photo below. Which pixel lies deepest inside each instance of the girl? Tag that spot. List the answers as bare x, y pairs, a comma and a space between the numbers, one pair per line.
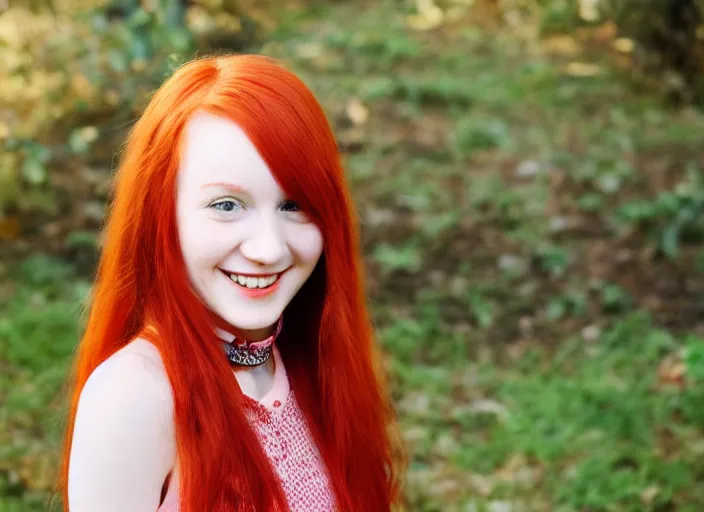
228, 362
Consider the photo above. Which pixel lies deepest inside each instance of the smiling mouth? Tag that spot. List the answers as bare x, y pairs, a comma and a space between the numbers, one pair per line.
259, 282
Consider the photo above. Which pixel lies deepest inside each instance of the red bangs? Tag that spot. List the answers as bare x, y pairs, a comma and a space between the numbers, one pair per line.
288, 127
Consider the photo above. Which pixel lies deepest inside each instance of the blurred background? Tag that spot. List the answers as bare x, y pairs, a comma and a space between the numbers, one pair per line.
529, 177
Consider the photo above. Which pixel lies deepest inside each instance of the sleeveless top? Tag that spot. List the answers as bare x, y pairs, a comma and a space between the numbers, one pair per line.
281, 428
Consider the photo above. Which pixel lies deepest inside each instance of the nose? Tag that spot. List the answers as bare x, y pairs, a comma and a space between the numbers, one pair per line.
265, 246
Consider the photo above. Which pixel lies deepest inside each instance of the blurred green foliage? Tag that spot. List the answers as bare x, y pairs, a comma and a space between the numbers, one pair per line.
71, 67
80, 73
670, 46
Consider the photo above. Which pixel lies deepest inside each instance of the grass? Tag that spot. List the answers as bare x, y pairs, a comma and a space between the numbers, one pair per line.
38, 331
534, 254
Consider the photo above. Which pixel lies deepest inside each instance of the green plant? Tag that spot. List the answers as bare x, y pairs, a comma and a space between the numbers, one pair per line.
475, 134
573, 303
101, 63
552, 259
668, 41
694, 359
674, 216
391, 258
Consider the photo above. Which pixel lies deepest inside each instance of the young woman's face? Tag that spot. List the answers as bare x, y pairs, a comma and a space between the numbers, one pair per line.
248, 249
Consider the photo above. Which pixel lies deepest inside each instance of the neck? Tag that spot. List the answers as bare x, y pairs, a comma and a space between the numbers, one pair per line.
246, 351
253, 335
246, 334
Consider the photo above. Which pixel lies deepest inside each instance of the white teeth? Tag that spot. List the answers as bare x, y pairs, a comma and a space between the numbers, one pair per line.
254, 282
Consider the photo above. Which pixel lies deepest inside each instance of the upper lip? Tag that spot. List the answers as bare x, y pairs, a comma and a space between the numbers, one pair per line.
245, 274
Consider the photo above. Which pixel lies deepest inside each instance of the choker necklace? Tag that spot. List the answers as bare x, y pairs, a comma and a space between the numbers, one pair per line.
251, 353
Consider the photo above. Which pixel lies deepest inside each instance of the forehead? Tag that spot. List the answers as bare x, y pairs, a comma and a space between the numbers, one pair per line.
216, 149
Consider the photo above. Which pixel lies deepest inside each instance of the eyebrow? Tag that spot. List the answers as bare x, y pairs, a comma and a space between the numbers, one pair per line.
222, 184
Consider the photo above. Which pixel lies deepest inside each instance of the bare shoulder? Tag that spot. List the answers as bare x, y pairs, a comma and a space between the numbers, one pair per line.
132, 384
148, 351
123, 442
135, 372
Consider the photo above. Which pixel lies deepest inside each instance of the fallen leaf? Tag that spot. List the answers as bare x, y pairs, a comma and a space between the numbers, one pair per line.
416, 404
582, 69
351, 140
429, 16
589, 10
649, 494
500, 506
309, 50
444, 489
9, 228
591, 333
528, 169
82, 87
139, 65
199, 20
357, 112
112, 97
672, 371
605, 32
456, 13
624, 45
415, 434
560, 45
489, 406
507, 471
445, 445
481, 484
150, 5
89, 133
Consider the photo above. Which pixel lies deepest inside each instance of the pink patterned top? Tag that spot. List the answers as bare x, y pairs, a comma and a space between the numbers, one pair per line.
282, 430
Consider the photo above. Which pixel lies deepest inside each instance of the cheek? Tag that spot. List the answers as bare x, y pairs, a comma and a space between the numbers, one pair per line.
202, 242
308, 244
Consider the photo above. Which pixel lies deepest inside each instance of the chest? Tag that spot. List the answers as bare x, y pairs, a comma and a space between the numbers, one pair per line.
258, 381
285, 438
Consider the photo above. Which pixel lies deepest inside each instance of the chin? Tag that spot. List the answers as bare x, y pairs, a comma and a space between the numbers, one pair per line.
251, 322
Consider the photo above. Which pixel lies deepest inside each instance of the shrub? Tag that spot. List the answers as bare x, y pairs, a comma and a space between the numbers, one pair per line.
669, 43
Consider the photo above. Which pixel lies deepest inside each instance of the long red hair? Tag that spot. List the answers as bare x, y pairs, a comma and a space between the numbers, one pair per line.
327, 342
